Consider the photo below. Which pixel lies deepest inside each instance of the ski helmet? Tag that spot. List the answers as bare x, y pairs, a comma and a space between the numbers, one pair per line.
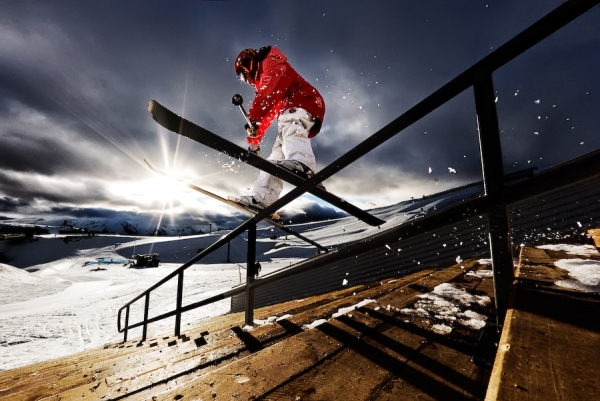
245, 64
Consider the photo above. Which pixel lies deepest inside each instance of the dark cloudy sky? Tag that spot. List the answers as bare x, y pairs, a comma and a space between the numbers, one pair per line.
76, 76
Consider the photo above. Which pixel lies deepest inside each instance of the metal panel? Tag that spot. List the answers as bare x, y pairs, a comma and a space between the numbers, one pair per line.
467, 239
556, 214
563, 215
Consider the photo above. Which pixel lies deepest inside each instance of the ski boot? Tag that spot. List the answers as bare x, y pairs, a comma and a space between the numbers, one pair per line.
249, 202
298, 168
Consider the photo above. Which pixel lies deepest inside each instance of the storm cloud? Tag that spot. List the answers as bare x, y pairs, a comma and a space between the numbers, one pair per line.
75, 79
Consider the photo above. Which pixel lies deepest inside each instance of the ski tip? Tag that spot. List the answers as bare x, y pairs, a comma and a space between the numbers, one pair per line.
151, 106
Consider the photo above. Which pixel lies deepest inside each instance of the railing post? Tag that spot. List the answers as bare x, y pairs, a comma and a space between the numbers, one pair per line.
179, 304
493, 180
146, 308
250, 274
126, 324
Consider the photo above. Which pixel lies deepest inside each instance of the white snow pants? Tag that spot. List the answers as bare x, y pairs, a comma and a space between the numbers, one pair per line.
292, 143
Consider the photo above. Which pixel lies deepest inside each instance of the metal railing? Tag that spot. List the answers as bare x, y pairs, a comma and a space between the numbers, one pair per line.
493, 203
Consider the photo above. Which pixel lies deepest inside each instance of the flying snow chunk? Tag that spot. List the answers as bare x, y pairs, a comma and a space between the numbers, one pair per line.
451, 170
430, 170
345, 282
537, 101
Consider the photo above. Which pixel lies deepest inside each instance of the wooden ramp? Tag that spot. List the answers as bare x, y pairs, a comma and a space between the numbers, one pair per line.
550, 345
385, 345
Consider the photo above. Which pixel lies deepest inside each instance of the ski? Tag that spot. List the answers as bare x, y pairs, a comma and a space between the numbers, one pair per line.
242, 208
181, 126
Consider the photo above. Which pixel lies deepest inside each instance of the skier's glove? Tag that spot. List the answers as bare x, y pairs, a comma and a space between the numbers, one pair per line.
251, 130
254, 149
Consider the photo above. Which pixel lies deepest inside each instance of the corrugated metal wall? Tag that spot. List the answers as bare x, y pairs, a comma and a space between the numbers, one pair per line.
467, 239
564, 214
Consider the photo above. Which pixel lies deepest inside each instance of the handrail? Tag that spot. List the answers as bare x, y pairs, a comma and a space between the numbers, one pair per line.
479, 76
549, 24
586, 167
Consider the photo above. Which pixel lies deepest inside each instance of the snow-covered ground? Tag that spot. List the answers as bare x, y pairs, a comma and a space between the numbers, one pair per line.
65, 306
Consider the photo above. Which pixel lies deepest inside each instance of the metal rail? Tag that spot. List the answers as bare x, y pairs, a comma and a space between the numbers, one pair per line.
494, 203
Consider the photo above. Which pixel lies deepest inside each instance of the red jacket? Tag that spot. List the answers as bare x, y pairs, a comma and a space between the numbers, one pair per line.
278, 88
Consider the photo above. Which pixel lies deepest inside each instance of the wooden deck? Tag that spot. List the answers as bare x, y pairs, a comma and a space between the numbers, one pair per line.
387, 348
374, 352
550, 345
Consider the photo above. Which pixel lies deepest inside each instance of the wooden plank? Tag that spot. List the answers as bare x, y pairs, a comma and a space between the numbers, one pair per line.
537, 264
234, 348
549, 349
266, 370
595, 234
144, 370
437, 372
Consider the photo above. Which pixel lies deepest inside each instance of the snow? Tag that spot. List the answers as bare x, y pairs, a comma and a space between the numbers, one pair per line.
584, 273
314, 324
343, 311
7, 272
481, 273
571, 249
340, 312
441, 329
449, 305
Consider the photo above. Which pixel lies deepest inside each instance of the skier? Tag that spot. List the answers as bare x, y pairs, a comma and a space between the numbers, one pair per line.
299, 108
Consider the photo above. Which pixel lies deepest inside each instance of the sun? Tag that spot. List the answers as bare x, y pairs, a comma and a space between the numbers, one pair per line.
160, 189
155, 192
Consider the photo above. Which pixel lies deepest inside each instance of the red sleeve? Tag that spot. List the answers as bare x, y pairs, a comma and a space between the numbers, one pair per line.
271, 92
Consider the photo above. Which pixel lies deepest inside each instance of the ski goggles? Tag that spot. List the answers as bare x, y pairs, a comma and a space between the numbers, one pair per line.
243, 72
244, 64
